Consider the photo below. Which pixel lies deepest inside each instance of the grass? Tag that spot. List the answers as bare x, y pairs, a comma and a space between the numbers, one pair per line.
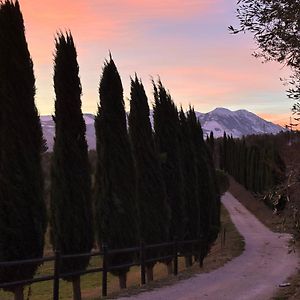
91, 283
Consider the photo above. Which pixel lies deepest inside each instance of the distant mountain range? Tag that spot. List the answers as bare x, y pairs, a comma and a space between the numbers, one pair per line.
235, 123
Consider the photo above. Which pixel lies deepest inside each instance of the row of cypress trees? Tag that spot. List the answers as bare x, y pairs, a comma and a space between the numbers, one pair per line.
162, 183
256, 164
150, 185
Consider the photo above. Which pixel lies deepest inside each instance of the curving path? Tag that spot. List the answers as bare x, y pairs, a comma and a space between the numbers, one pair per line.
255, 274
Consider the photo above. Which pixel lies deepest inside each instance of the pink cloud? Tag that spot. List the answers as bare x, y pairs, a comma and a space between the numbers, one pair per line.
196, 66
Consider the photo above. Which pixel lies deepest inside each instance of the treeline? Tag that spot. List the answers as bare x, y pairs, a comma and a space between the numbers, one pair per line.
253, 161
150, 185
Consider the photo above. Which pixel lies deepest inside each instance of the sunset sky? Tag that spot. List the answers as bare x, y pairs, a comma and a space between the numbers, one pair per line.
185, 42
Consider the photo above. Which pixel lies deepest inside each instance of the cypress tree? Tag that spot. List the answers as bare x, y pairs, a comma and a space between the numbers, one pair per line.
71, 206
249, 168
212, 145
221, 155
209, 196
22, 208
225, 153
242, 162
151, 194
167, 138
116, 206
190, 177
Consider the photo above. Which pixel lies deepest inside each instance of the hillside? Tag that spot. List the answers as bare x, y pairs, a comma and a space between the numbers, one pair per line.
235, 123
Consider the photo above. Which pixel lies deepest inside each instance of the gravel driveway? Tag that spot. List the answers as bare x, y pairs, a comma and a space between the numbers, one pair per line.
255, 274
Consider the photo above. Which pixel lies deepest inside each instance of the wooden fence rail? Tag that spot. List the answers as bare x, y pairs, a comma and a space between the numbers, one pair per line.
142, 261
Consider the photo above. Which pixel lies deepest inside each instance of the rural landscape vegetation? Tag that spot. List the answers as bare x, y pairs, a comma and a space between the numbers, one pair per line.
148, 198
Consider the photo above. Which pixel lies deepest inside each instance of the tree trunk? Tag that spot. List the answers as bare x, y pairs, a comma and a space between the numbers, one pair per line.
170, 268
149, 270
122, 280
76, 288
19, 293
188, 261
201, 262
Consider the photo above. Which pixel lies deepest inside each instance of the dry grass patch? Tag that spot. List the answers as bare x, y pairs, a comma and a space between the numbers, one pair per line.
264, 214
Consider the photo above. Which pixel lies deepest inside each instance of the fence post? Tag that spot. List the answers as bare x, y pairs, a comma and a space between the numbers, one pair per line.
175, 256
143, 265
104, 272
56, 275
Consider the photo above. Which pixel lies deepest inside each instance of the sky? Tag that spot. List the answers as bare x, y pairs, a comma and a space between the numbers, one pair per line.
186, 43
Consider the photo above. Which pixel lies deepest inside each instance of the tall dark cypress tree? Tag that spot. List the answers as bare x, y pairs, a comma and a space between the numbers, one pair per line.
225, 152
71, 206
190, 180
116, 206
167, 137
22, 208
151, 194
208, 192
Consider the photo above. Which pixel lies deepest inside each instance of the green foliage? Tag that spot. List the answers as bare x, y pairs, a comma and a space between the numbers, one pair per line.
167, 138
210, 142
253, 161
22, 209
151, 195
208, 191
71, 207
190, 178
116, 206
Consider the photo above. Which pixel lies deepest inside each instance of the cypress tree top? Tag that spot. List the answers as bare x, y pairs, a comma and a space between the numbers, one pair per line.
67, 85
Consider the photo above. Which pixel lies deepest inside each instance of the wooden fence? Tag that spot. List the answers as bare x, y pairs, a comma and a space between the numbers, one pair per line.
140, 251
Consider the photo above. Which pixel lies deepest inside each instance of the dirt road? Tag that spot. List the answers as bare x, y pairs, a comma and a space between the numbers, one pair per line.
255, 274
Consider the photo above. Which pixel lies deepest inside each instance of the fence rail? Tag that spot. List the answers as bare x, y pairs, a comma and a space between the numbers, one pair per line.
142, 261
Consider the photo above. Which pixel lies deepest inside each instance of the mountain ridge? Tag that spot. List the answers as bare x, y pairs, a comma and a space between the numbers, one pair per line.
236, 123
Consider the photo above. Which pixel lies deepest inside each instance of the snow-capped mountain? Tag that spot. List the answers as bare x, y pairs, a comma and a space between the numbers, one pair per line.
235, 123
49, 130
